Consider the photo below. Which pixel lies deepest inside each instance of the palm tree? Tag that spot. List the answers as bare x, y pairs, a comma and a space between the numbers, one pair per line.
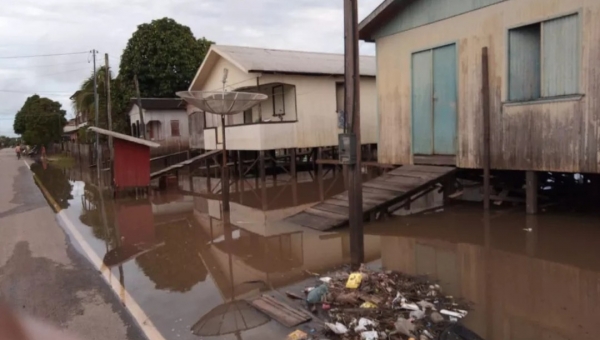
83, 99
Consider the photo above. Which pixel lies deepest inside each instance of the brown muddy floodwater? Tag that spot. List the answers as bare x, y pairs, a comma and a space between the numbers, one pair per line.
528, 277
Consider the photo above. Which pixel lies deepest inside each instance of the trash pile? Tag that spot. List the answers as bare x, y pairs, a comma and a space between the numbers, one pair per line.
372, 305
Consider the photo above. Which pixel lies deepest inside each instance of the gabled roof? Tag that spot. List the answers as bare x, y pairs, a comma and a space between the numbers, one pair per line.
124, 137
261, 60
160, 103
382, 13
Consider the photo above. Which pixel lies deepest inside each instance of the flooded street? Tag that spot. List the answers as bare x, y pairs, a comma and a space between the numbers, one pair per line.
529, 277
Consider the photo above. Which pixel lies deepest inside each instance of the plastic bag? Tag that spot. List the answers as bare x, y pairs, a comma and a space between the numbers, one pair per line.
354, 280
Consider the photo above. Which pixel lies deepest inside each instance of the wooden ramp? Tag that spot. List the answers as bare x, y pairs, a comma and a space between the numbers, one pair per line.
178, 166
390, 190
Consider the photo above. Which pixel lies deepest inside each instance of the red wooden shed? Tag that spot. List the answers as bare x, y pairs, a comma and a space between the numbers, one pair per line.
131, 167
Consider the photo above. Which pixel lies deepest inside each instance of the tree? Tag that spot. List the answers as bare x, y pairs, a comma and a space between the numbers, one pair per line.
165, 55
6, 142
40, 121
83, 99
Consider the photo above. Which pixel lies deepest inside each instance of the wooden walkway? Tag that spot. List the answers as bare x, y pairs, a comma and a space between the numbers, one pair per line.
178, 166
395, 187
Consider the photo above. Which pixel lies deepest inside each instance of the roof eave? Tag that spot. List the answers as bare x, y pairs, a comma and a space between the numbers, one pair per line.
308, 74
382, 13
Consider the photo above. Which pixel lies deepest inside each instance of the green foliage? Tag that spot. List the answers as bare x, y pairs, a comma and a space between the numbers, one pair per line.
6, 142
40, 121
165, 55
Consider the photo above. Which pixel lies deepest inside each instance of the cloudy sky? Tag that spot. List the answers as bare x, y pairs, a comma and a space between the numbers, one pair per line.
33, 27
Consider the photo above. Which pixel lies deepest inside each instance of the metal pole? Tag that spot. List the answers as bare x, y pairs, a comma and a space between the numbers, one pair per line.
485, 96
352, 108
108, 106
98, 149
139, 103
224, 171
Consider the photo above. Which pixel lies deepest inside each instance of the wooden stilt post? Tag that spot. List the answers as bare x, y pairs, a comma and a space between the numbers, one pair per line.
273, 157
531, 235
352, 109
263, 181
532, 192
319, 174
293, 162
485, 99
208, 186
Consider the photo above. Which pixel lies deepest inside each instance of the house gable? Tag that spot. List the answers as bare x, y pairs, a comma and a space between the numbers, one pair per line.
395, 16
210, 74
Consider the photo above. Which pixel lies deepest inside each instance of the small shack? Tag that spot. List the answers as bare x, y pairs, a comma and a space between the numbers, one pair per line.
131, 168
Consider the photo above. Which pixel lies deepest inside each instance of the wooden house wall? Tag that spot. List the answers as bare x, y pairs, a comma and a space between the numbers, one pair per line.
553, 135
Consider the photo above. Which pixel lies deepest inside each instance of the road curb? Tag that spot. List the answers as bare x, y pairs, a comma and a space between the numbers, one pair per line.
46, 194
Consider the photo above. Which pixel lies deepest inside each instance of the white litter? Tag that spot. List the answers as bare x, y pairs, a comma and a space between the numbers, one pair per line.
372, 335
424, 305
417, 315
459, 313
325, 279
409, 306
362, 325
338, 328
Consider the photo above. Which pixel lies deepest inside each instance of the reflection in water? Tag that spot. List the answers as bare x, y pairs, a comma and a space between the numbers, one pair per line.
230, 318
177, 265
529, 277
56, 181
527, 280
234, 316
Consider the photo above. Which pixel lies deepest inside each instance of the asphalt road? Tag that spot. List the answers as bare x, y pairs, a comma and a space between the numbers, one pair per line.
42, 274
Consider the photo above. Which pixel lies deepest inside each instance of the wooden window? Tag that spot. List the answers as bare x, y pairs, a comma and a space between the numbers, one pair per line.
248, 116
151, 130
175, 128
278, 101
544, 59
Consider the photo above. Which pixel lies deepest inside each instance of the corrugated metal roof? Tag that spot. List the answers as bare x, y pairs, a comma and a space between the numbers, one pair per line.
252, 59
124, 137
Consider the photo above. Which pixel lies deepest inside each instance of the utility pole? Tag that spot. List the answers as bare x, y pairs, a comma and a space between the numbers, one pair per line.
108, 107
139, 103
98, 148
352, 108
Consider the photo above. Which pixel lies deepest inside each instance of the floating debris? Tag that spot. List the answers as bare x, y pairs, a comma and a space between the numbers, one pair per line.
374, 305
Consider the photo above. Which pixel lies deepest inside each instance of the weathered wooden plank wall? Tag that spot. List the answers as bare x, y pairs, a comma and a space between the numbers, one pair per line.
560, 135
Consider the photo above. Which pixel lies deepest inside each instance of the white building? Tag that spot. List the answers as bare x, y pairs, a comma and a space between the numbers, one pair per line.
166, 123
305, 99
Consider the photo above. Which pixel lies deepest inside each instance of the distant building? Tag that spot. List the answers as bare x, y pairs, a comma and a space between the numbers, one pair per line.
70, 130
166, 123
544, 70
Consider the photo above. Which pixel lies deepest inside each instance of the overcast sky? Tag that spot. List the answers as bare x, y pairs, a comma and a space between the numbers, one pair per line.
31, 27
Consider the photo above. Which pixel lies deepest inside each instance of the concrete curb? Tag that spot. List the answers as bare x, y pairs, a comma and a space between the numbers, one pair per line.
46, 194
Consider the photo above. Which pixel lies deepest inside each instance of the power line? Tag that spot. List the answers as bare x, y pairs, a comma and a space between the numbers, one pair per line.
42, 55
34, 92
49, 74
36, 66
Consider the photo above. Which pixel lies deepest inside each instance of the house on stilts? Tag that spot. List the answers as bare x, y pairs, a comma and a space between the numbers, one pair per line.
303, 113
543, 59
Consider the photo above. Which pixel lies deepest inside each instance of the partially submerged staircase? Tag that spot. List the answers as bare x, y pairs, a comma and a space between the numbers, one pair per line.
382, 194
180, 165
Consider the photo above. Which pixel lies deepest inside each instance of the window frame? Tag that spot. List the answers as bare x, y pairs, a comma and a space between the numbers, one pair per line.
275, 114
178, 128
251, 112
578, 93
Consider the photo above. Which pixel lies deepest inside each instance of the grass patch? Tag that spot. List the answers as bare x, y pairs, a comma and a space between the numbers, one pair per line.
61, 161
